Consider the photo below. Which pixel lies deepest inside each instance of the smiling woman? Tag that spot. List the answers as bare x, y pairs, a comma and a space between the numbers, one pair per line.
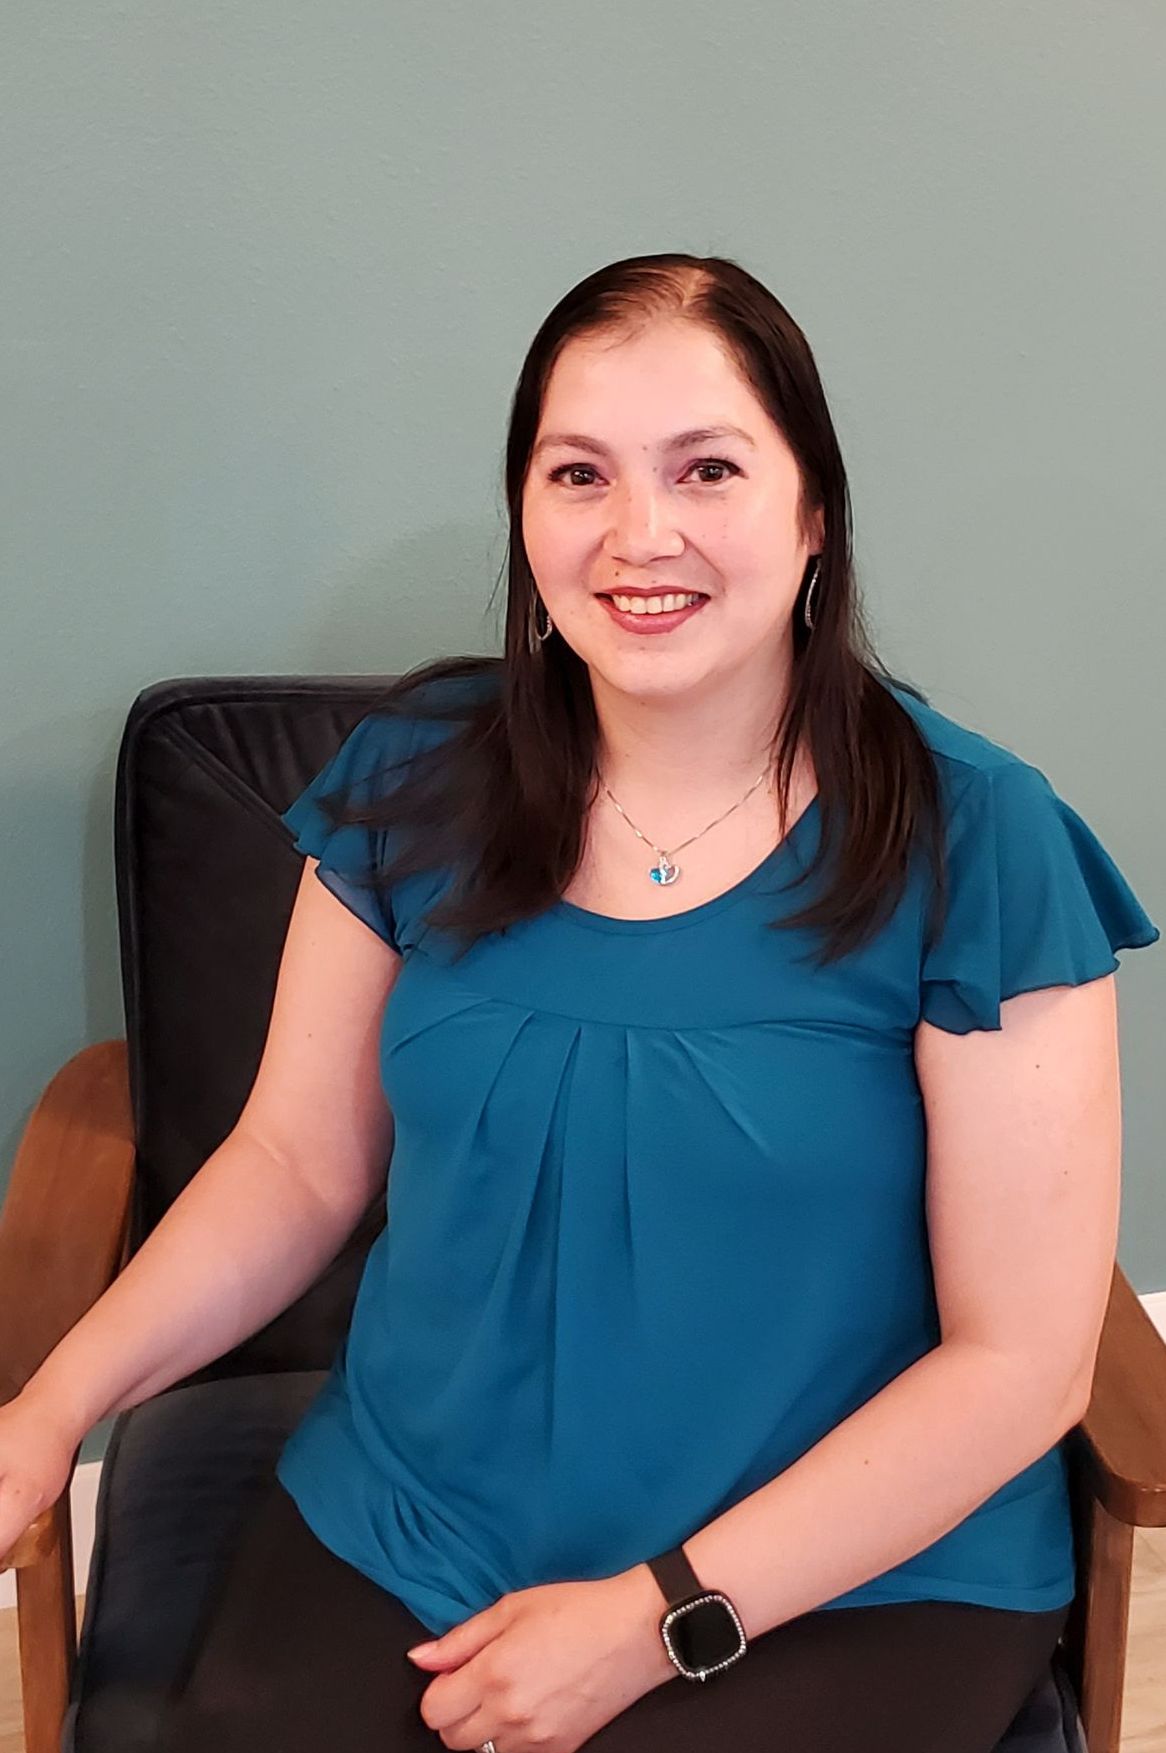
646, 511
723, 1270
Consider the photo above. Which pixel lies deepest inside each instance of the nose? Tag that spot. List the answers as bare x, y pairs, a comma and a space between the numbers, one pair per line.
641, 524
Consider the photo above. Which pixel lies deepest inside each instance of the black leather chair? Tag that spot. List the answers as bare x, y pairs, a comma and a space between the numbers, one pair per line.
206, 877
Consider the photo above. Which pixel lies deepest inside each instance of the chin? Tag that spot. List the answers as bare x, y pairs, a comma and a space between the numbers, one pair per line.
644, 678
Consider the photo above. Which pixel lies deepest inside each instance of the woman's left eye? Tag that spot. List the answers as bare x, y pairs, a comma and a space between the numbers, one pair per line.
565, 469
716, 463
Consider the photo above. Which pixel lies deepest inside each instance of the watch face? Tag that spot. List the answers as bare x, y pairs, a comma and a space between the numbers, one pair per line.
706, 1633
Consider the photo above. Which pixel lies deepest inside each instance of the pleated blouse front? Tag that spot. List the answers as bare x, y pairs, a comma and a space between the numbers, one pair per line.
656, 1206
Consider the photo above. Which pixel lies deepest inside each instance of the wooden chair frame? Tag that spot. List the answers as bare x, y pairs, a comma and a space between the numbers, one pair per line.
63, 1239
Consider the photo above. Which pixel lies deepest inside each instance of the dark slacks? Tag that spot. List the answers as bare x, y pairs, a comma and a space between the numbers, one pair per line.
299, 1653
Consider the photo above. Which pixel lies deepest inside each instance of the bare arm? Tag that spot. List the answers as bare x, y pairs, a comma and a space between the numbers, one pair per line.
242, 1241
273, 1205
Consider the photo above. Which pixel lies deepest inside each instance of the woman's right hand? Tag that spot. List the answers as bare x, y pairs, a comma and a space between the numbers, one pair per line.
36, 1459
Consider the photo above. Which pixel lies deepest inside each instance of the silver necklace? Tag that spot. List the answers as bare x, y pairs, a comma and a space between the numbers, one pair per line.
664, 871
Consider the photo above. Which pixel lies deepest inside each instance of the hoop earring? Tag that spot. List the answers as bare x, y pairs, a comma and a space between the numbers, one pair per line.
809, 620
534, 639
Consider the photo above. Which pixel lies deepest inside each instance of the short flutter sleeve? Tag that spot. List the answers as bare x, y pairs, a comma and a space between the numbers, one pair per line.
1034, 900
360, 772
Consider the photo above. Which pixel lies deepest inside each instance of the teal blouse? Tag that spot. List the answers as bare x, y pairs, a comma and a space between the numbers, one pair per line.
655, 1215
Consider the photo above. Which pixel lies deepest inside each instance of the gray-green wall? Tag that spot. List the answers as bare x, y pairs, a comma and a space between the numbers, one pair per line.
268, 272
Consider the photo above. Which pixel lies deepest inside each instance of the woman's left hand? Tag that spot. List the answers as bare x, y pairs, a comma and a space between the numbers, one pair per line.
543, 1669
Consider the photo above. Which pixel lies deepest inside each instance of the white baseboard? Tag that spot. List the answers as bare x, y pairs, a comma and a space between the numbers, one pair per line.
83, 1492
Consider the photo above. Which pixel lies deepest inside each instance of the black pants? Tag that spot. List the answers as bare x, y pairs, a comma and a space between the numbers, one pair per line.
300, 1653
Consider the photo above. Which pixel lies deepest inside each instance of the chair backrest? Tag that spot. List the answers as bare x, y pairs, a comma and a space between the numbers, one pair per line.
206, 877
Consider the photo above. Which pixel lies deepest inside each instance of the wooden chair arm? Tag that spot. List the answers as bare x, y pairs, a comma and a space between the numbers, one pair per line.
1118, 1482
64, 1228
1122, 1438
63, 1225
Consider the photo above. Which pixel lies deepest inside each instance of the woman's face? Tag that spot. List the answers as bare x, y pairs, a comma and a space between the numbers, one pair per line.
617, 497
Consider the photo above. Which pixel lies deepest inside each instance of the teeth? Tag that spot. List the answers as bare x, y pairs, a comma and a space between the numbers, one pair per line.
654, 605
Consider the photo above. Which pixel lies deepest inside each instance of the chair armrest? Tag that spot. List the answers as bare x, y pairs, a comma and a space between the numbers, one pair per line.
64, 1223
1122, 1438
63, 1233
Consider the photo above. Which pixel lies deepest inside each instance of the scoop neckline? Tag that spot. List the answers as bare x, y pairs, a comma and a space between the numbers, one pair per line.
704, 909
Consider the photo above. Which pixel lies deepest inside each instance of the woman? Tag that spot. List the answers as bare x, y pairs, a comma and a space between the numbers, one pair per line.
736, 1255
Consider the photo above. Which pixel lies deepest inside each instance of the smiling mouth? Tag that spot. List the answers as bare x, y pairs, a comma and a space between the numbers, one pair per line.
665, 602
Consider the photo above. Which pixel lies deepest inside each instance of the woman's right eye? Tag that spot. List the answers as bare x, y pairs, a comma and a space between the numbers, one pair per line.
573, 469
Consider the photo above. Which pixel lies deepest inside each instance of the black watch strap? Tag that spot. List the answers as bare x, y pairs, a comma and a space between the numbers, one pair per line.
675, 1575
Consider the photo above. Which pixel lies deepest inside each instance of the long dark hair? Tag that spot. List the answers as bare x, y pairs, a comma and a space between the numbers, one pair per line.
502, 800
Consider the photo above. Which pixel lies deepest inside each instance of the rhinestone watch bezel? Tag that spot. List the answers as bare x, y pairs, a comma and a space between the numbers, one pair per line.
679, 1611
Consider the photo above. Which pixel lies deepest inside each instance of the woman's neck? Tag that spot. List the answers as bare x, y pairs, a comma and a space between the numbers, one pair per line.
682, 753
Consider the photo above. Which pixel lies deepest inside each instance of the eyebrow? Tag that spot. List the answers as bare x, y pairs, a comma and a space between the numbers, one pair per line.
679, 441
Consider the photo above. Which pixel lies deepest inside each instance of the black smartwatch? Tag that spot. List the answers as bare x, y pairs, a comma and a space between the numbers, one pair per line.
701, 1628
